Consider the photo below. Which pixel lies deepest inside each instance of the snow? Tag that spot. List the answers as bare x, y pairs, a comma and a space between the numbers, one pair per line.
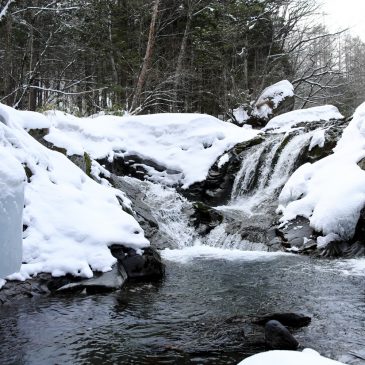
241, 115
70, 218
12, 178
330, 192
285, 357
187, 144
284, 122
271, 97
223, 160
318, 139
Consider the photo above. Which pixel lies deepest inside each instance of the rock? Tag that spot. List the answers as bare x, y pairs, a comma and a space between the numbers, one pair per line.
294, 320
217, 187
205, 218
145, 266
297, 235
105, 282
278, 337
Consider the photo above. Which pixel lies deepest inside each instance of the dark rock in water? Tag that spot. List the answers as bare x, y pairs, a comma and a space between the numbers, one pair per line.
278, 337
294, 320
298, 235
105, 282
147, 266
335, 249
205, 218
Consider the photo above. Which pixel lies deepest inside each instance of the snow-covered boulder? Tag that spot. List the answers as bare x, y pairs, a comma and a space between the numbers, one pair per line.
285, 122
70, 219
12, 179
331, 191
275, 99
307, 356
173, 149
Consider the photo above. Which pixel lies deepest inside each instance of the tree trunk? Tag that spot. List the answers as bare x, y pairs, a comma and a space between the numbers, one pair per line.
147, 58
180, 59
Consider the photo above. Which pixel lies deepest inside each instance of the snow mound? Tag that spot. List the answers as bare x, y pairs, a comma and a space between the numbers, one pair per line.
331, 191
70, 219
12, 178
283, 122
284, 357
271, 97
187, 144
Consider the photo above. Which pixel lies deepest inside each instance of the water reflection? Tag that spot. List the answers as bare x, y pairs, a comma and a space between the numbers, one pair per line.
199, 314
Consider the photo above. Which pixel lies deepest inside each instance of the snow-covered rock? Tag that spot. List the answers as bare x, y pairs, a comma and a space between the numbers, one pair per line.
187, 144
331, 191
284, 122
271, 98
70, 218
12, 179
306, 357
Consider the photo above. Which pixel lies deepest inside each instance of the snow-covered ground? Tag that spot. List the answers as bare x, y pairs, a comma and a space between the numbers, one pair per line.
188, 144
330, 192
306, 357
70, 218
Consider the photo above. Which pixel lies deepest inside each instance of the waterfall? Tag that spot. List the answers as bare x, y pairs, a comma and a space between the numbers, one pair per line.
251, 210
264, 170
170, 210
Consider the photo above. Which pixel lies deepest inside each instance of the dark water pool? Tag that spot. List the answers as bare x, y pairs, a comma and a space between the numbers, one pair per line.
197, 315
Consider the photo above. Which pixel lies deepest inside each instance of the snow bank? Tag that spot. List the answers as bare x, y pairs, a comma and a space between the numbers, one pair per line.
306, 357
271, 97
187, 144
70, 218
12, 178
284, 122
330, 192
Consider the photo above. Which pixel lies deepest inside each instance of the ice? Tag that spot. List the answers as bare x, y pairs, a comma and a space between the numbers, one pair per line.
285, 357
12, 178
284, 122
186, 143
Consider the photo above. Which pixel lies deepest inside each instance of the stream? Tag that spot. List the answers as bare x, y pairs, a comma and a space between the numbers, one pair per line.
199, 314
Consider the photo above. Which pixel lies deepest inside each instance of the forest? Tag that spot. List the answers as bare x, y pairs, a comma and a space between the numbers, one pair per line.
144, 56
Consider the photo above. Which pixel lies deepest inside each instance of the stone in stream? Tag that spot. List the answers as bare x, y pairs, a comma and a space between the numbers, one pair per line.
278, 337
145, 266
108, 281
294, 320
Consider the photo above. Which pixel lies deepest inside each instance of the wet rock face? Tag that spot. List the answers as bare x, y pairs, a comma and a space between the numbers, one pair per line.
297, 235
278, 337
145, 266
217, 187
205, 218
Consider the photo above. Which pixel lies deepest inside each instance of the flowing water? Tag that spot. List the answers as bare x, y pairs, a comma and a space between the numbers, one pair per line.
199, 314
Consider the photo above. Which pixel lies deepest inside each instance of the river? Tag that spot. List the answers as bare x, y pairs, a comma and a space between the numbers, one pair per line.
199, 314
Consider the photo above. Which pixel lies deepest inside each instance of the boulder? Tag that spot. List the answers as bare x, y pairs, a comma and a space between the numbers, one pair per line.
147, 265
278, 337
104, 282
294, 320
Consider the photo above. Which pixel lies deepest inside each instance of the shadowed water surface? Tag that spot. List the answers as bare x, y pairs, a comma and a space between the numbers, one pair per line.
197, 315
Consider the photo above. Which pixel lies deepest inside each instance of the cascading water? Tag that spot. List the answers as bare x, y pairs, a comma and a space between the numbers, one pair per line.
170, 209
251, 210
